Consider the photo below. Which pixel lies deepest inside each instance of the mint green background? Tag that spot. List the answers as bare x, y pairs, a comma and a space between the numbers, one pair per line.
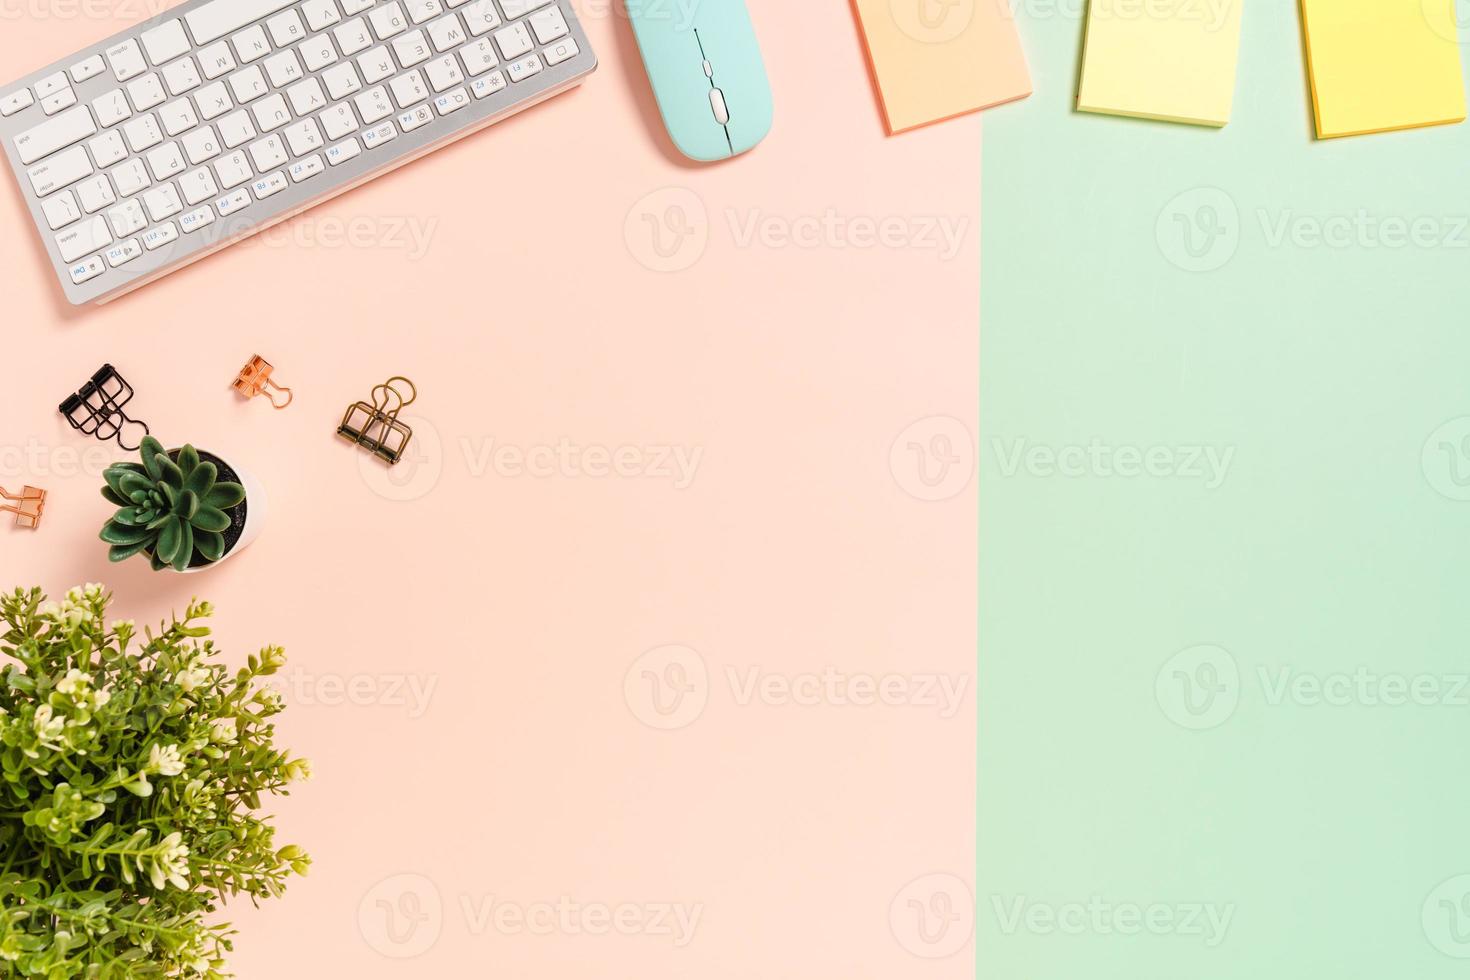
1328, 546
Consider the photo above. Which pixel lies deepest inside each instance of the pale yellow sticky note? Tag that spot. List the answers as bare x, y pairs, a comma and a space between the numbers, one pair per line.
934, 59
1378, 65
1161, 59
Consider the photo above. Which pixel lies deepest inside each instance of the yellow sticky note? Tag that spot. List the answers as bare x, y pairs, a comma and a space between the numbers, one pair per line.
1378, 65
1161, 59
935, 59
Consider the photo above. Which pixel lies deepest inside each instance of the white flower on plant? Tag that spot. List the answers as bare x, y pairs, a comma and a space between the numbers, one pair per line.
50, 611
271, 698
223, 731
171, 863
75, 682
47, 727
165, 760
121, 624
99, 698
298, 770
191, 678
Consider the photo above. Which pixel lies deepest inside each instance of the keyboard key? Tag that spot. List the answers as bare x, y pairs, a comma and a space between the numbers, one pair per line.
112, 108
194, 220
351, 7
51, 84
88, 270
480, 17
130, 177
123, 252
320, 14
231, 203
343, 151
108, 148
514, 41
95, 193
236, 129
214, 101
182, 76
478, 57
61, 210
198, 185
126, 59
54, 134
268, 153
422, 10
126, 218
444, 73
201, 145
408, 90
353, 37
165, 42
177, 117
338, 121
284, 69
160, 236
269, 185
306, 168
379, 135
91, 68
412, 49
251, 44
271, 114
304, 137
216, 60
561, 51
549, 24
143, 133
521, 70
446, 33
166, 161
519, 8
307, 97
214, 20
248, 84
286, 28
376, 65
414, 118
388, 20
232, 171
341, 81
162, 202
60, 170
452, 101
373, 105
16, 101
318, 53
83, 239
488, 85
65, 99
146, 92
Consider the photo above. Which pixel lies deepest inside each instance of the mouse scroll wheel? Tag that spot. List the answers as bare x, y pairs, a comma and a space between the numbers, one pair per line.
717, 102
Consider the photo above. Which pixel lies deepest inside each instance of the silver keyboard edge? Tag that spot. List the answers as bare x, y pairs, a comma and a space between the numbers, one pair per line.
297, 198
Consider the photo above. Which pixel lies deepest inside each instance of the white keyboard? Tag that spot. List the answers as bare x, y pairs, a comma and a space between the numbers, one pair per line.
221, 117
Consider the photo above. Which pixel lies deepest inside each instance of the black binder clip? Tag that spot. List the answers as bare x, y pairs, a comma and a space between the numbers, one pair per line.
375, 427
96, 408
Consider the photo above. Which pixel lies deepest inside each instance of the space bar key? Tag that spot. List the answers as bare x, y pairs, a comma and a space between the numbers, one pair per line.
214, 20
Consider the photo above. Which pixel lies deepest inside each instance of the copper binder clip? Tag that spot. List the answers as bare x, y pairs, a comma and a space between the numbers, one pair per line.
375, 427
95, 409
255, 379
27, 505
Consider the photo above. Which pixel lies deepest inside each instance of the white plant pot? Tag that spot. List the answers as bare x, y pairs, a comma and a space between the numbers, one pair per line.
256, 507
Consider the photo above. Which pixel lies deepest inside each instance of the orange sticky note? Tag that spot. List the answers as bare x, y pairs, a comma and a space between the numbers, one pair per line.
936, 59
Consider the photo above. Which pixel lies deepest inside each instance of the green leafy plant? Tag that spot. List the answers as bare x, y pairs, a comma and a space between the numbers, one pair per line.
168, 509
130, 770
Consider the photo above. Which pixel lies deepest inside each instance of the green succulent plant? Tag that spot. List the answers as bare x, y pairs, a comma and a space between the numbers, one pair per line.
168, 509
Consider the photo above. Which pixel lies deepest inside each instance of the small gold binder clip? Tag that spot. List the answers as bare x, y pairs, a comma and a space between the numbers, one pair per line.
375, 427
27, 505
255, 379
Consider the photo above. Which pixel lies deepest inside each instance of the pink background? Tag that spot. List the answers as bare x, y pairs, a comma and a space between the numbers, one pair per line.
812, 371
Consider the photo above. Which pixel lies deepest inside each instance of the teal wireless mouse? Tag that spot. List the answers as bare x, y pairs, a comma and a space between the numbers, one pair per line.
705, 66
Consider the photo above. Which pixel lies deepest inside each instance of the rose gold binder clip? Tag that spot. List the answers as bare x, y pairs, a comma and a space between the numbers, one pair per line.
375, 427
27, 505
255, 379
